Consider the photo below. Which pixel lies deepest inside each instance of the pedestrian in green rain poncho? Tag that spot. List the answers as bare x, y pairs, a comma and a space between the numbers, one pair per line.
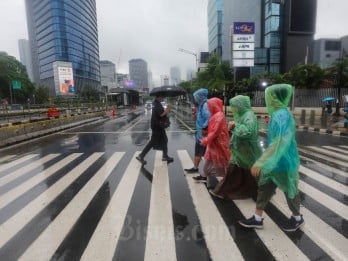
278, 165
245, 150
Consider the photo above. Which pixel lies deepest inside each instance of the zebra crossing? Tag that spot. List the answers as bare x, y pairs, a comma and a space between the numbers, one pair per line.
87, 202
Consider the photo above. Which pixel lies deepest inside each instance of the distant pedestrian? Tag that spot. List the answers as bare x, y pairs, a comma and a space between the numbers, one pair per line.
245, 150
217, 153
202, 117
279, 163
159, 139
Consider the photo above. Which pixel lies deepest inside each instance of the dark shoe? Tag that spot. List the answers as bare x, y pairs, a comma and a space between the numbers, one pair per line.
215, 195
141, 159
200, 178
168, 159
191, 170
293, 225
251, 223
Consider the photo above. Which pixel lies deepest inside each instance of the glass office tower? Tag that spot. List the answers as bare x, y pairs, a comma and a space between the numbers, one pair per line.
64, 31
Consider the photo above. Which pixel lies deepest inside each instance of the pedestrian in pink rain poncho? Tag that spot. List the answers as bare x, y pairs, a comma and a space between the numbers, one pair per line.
218, 153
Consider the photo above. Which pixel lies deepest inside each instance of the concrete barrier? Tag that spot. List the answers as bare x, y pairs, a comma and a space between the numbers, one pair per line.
16, 133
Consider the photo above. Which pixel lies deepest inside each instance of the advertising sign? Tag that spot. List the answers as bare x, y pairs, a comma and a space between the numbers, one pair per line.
243, 46
243, 38
243, 54
243, 62
66, 80
243, 28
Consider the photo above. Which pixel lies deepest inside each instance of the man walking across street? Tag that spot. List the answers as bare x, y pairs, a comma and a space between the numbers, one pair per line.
159, 139
202, 117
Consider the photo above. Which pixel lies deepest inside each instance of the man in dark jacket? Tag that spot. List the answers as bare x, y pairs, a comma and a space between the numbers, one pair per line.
159, 139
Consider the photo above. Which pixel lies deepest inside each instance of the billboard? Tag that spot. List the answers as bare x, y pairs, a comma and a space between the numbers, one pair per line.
66, 80
243, 28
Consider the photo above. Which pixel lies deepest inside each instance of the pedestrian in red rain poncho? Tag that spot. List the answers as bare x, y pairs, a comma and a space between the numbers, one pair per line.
218, 153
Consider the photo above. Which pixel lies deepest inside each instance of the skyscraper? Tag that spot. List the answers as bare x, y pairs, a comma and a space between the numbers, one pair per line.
175, 75
25, 56
138, 74
284, 30
64, 32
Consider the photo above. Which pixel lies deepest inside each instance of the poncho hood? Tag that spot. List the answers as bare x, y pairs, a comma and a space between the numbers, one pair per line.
240, 104
215, 105
277, 97
200, 96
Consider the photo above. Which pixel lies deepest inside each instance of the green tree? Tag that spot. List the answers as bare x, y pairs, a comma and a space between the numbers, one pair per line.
305, 76
90, 93
216, 76
41, 94
13, 70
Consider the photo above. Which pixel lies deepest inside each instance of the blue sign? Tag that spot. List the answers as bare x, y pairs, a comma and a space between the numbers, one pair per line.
243, 28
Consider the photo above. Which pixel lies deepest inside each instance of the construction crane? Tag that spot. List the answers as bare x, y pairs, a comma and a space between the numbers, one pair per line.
189, 52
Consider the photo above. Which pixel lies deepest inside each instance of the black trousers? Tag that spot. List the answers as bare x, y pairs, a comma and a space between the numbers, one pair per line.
158, 141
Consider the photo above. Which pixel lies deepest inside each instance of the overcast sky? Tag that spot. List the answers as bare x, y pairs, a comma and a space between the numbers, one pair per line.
154, 30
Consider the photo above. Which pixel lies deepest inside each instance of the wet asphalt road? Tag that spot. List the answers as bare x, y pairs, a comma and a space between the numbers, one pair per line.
119, 135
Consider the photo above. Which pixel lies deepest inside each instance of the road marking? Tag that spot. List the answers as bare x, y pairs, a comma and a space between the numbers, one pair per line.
327, 201
13, 225
27, 168
320, 156
218, 238
324, 180
16, 162
332, 170
49, 240
332, 242
6, 158
16, 192
336, 149
277, 242
104, 240
160, 244
329, 153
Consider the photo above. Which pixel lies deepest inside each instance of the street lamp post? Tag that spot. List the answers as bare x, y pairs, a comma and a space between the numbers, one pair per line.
192, 53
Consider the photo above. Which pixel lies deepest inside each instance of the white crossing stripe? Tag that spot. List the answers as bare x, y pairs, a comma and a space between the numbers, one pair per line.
332, 242
324, 180
6, 158
336, 206
329, 153
336, 149
16, 192
13, 225
321, 156
16, 162
277, 242
46, 244
331, 170
104, 240
160, 244
216, 234
26, 169
343, 146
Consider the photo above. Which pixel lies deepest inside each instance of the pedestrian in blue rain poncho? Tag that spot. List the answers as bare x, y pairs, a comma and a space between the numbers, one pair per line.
202, 118
278, 165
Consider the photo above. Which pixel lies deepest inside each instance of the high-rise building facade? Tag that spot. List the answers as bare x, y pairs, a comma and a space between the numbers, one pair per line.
25, 56
138, 74
284, 30
64, 31
175, 75
108, 75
